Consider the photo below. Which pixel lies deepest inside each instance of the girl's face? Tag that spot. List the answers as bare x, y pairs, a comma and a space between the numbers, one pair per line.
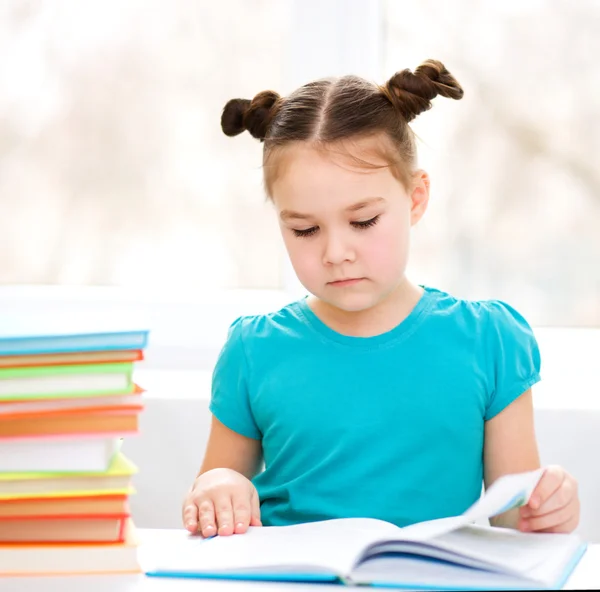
346, 228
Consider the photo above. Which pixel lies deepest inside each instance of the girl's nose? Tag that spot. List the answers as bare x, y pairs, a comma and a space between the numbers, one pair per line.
337, 250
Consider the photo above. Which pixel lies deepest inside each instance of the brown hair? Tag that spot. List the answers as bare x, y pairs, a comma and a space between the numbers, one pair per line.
335, 110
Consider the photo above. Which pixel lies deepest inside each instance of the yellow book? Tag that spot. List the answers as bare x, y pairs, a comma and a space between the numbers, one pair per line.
115, 480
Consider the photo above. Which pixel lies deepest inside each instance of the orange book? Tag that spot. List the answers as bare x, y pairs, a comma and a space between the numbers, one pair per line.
71, 558
68, 423
63, 529
80, 357
97, 505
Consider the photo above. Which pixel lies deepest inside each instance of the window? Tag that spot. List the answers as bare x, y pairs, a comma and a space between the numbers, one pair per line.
515, 204
115, 169
120, 192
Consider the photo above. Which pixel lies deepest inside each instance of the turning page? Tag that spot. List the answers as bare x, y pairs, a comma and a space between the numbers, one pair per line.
506, 493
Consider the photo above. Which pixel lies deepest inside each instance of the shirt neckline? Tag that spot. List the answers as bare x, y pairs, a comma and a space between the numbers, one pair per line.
400, 332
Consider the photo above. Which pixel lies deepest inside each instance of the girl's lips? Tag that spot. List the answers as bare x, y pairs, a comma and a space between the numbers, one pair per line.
342, 283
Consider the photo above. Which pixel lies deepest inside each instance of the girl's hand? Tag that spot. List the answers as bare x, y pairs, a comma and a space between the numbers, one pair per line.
553, 505
223, 502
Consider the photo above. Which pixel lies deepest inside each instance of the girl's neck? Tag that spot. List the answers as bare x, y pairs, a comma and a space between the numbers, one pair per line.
378, 319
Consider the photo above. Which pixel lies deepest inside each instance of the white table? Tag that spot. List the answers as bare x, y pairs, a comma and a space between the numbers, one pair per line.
585, 577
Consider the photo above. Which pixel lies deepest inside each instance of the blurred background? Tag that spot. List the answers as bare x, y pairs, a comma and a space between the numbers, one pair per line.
114, 171
120, 195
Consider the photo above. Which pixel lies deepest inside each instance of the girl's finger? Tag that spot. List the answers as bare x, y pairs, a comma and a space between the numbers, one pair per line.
207, 518
190, 515
554, 521
224, 515
241, 513
255, 509
551, 481
561, 497
567, 527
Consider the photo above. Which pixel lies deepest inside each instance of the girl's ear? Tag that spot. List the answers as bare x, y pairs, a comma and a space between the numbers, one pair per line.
419, 196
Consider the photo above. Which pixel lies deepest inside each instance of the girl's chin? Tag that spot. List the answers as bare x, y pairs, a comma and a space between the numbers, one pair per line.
349, 302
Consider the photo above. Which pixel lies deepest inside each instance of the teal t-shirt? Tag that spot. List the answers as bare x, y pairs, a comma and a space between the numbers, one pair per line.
387, 427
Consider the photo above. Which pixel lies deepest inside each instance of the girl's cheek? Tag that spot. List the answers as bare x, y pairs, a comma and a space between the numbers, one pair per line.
382, 246
305, 260
386, 252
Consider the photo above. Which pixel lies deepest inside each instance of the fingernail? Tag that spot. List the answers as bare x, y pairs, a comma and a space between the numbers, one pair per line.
190, 525
209, 527
239, 525
534, 502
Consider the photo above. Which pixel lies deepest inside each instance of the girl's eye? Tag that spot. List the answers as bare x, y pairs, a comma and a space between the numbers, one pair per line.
359, 225
366, 223
306, 232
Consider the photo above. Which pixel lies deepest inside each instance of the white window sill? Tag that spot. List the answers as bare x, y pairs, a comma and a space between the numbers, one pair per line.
180, 385
188, 330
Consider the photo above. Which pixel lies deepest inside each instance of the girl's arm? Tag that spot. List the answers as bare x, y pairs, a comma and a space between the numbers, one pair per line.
228, 449
222, 499
510, 447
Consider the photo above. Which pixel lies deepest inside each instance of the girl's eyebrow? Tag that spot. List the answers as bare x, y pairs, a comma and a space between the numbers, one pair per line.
288, 214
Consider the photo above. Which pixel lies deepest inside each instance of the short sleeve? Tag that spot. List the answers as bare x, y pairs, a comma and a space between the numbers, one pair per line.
230, 402
513, 356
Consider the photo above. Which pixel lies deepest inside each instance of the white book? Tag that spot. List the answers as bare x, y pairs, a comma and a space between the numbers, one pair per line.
450, 553
65, 381
57, 454
75, 383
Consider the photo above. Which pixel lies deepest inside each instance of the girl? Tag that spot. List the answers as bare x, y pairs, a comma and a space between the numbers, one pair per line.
375, 396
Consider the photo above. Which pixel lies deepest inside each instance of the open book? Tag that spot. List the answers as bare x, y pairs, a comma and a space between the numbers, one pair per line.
450, 553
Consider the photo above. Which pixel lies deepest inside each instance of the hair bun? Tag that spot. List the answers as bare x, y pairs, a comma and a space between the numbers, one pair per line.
412, 93
232, 118
255, 116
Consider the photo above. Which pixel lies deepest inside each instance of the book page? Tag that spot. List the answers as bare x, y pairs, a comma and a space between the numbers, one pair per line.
506, 493
424, 573
492, 551
510, 550
509, 491
327, 547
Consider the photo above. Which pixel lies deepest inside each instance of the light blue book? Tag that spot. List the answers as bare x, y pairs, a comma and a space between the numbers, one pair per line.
447, 554
46, 334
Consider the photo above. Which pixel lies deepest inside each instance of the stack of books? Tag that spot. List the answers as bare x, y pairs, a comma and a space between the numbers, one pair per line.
67, 399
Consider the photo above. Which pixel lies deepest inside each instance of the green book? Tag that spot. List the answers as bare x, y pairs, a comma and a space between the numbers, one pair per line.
57, 382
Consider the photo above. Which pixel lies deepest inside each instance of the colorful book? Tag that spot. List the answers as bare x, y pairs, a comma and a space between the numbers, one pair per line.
63, 529
94, 505
78, 380
126, 402
71, 559
69, 358
449, 553
99, 421
115, 480
45, 334
58, 453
